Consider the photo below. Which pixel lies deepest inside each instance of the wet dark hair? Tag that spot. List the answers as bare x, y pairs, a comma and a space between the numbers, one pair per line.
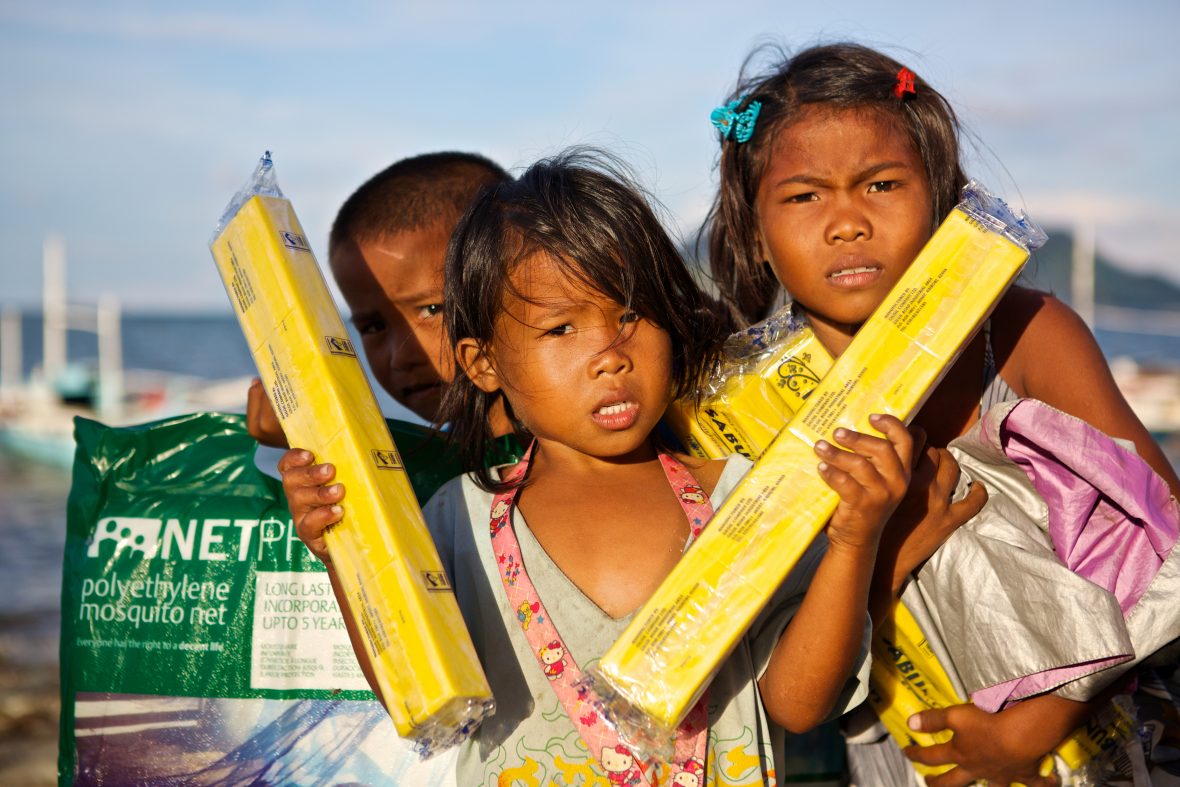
433, 189
583, 210
835, 76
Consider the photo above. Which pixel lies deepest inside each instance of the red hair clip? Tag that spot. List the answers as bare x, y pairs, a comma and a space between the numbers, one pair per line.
905, 83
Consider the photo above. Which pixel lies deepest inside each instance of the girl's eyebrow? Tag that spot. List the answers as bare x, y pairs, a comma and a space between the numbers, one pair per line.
876, 169
559, 308
555, 303
542, 312
532, 313
431, 293
550, 309
807, 179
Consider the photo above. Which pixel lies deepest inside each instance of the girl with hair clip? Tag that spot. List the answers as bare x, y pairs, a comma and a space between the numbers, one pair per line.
836, 166
571, 306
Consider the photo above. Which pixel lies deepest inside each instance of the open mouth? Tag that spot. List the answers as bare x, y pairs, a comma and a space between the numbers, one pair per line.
617, 415
856, 276
854, 271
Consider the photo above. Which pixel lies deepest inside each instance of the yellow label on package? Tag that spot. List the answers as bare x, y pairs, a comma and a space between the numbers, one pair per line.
751, 406
663, 660
425, 664
907, 678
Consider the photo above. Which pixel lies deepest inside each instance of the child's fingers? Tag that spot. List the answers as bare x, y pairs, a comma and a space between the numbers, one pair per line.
887, 456
302, 499
899, 435
295, 476
312, 526
872, 461
307, 487
955, 777
918, 444
852, 462
855, 479
929, 721
836, 476
970, 505
946, 479
296, 457
934, 754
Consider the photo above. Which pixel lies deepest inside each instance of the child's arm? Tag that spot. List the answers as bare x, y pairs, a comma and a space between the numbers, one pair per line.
261, 421
924, 519
815, 655
315, 506
1045, 351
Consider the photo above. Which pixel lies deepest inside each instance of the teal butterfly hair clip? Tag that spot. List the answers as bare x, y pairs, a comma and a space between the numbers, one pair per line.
740, 124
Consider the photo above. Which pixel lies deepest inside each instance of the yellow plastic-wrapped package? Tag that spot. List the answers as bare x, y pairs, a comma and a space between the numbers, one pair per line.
767, 372
658, 668
401, 599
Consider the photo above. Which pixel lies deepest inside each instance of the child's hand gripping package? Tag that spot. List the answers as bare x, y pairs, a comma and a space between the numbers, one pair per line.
1064, 581
660, 665
425, 664
908, 677
767, 372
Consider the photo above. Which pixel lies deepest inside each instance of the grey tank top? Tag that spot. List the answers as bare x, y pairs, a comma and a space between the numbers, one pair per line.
995, 390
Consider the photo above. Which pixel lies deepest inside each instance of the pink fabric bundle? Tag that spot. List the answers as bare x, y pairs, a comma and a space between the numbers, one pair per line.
1112, 519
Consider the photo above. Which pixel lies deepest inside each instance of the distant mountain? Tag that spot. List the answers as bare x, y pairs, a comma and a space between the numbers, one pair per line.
1049, 269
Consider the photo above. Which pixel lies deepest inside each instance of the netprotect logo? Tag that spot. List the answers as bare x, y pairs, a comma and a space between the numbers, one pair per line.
195, 539
138, 534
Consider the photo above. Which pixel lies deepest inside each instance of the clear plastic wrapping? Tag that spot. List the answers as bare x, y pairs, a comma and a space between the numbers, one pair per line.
766, 373
665, 658
400, 596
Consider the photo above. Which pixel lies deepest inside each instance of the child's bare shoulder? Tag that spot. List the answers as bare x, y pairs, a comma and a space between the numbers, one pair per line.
1022, 308
1028, 323
1046, 350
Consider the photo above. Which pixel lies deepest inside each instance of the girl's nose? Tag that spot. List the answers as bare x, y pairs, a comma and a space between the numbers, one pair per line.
614, 359
848, 223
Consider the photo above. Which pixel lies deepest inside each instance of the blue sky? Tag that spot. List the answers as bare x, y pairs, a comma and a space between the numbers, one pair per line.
125, 127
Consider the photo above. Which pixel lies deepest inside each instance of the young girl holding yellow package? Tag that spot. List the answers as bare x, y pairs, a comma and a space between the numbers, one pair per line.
837, 165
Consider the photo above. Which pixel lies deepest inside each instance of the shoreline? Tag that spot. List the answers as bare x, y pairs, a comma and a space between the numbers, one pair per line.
33, 523
30, 705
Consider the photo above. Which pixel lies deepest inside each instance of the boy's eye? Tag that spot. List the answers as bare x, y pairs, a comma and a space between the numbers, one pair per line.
370, 327
807, 196
560, 330
882, 186
429, 310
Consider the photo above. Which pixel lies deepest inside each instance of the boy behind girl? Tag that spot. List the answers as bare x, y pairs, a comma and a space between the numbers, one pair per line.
386, 251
